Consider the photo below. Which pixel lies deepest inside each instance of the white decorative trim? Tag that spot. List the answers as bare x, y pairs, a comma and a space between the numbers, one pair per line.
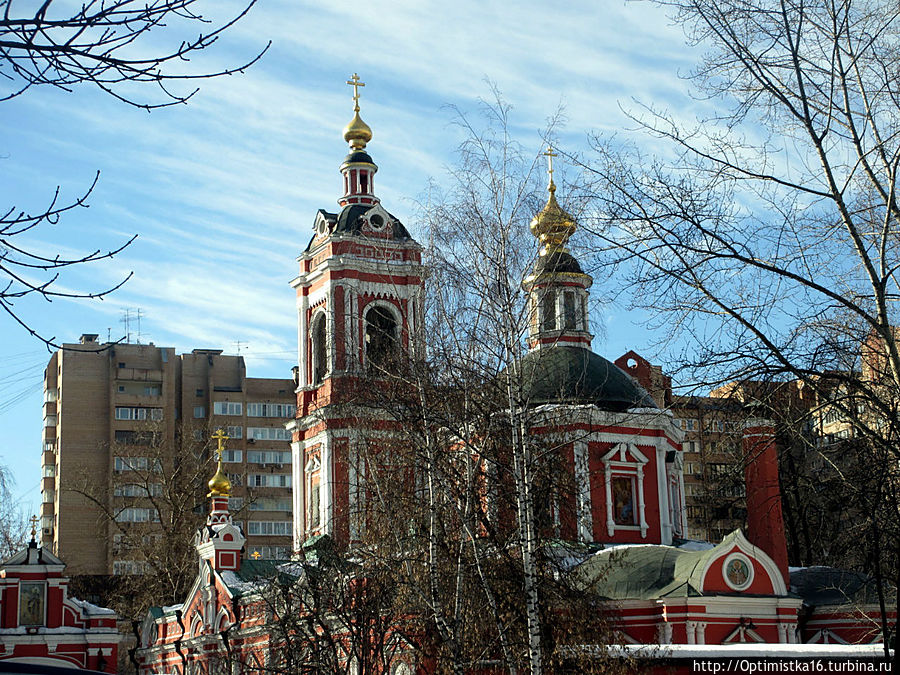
624, 466
737, 539
583, 488
739, 557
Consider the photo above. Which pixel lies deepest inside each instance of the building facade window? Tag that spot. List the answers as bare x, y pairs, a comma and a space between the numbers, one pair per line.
133, 490
272, 552
128, 414
234, 432
271, 504
277, 528
548, 311
271, 410
269, 480
126, 567
569, 310
137, 515
199, 411
268, 433
313, 471
624, 482
269, 457
232, 456
319, 347
136, 464
381, 337
623, 495
227, 408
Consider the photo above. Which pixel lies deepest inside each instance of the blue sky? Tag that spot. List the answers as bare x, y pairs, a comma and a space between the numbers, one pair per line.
222, 191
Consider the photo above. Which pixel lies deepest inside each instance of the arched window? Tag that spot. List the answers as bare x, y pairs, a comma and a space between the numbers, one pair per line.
569, 310
548, 311
381, 338
319, 350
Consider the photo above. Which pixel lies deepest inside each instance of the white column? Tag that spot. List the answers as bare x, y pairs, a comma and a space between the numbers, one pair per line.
607, 479
662, 483
583, 491
640, 478
302, 340
326, 504
298, 477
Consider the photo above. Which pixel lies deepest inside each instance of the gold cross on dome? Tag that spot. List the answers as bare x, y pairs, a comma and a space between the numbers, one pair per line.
550, 155
356, 84
34, 522
256, 555
221, 437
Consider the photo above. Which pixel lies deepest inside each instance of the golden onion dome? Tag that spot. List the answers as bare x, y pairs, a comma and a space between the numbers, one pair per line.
552, 225
357, 133
219, 485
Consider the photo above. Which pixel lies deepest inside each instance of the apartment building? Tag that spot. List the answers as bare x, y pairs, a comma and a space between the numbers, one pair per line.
713, 464
122, 422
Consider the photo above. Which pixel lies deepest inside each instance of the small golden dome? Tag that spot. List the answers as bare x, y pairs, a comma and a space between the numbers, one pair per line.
552, 225
219, 485
357, 133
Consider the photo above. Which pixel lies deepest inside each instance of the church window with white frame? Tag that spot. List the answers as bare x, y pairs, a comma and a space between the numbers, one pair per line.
624, 482
319, 347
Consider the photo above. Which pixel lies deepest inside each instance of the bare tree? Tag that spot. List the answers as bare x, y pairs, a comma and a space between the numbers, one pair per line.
110, 45
12, 520
150, 507
102, 44
472, 538
767, 236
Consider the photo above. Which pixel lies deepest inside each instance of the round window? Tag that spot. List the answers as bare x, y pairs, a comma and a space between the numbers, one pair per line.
377, 221
738, 571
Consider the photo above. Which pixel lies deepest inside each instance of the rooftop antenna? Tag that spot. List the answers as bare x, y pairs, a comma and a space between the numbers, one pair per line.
139, 314
238, 343
126, 319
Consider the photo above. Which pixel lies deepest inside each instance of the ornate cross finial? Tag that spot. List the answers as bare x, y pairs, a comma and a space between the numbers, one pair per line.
356, 84
34, 522
221, 437
256, 555
550, 155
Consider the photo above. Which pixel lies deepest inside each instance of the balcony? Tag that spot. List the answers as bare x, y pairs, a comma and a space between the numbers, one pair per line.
139, 374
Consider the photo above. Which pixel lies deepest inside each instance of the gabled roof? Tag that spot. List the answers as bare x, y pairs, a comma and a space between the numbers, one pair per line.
32, 555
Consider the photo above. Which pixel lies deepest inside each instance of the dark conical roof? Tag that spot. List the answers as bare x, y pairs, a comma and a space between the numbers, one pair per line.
578, 375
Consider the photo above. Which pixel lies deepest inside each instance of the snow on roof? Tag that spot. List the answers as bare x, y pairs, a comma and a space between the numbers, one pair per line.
748, 650
91, 609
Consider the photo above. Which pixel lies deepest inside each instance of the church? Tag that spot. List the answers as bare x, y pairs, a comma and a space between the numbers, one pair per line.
41, 625
359, 297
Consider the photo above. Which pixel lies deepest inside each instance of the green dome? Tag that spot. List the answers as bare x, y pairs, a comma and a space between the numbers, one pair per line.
578, 375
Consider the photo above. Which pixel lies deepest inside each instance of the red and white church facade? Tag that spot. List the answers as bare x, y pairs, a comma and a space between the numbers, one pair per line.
41, 625
359, 294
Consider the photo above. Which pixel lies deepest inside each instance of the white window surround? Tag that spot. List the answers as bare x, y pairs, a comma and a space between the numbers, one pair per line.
315, 350
313, 466
583, 494
624, 459
394, 312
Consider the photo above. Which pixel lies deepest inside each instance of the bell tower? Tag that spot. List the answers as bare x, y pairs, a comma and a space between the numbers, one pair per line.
359, 311
558, 287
